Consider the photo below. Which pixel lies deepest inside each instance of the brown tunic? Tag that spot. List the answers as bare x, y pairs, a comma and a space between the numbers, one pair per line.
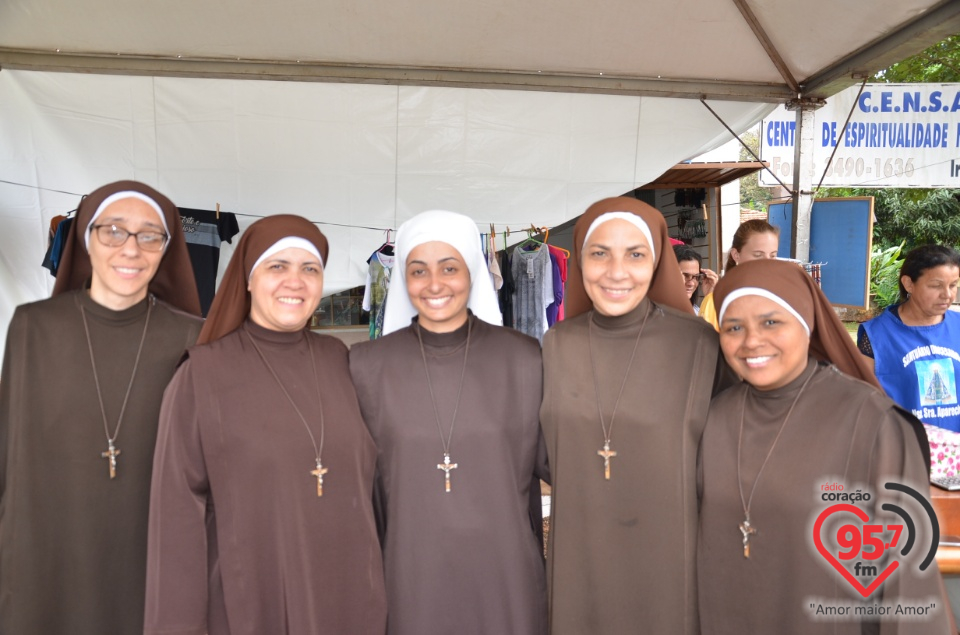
843, 431
234, 503
621, 551
465, 561
73, 542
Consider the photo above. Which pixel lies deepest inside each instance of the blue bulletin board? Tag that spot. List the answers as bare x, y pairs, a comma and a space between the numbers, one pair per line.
841, 238
780, 215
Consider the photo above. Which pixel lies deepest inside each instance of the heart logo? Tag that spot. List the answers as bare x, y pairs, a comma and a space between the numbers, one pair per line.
829, 557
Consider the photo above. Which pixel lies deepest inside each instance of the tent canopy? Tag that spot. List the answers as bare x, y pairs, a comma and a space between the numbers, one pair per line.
745, 50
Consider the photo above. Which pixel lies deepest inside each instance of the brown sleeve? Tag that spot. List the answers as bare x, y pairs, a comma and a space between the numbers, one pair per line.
724, 377
177, 549
897, 459
15, 359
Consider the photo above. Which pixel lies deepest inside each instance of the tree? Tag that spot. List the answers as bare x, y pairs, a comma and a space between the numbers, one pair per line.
913, 217
937, 64
933, 217
752, 194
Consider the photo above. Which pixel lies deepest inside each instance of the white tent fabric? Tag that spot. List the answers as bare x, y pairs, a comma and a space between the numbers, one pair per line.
747, 50
357, 159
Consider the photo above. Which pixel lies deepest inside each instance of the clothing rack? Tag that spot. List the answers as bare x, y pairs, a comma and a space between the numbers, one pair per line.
813, 269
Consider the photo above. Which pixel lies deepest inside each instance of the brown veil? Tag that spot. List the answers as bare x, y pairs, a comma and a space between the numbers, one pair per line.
829, 340
231, 305
666, 287
173, 283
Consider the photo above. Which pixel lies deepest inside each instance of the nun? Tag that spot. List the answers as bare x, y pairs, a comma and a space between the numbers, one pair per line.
628, 378
452, 399
83, 376
808, 424
261, 516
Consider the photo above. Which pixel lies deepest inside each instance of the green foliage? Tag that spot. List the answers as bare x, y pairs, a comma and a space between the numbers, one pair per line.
885, 275
752, 194
939, 63
911, 216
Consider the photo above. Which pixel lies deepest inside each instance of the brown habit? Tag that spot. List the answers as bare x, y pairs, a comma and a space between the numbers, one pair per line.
621, 551
239, 540
841, 430
465, 561
73, 542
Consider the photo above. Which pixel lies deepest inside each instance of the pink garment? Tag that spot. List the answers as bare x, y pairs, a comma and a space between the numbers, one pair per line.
561, 257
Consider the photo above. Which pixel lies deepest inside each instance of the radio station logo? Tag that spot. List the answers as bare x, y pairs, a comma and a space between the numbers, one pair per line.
865, 552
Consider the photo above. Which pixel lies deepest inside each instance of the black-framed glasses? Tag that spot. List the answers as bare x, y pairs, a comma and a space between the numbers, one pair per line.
690, 277
113, 236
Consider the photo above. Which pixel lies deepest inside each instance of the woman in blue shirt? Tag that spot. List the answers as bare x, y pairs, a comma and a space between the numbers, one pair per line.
915, 345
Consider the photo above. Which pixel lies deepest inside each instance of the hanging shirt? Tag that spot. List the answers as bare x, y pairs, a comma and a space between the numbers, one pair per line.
493, 265
204, 233
51, 259
375, 290
560, 258
533, 280
505, 295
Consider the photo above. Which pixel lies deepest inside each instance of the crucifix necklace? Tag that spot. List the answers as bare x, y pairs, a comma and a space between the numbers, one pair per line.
112, 450
746, 527
318, 450
447, 465
605, 452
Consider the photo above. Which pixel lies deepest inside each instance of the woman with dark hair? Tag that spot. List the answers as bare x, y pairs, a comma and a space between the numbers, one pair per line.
808, 412
261, 512
694, 278
914, 346
83, 376
754, 240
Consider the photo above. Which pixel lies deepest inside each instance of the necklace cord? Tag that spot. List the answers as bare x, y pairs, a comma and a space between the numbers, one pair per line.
607, 434
753, 489
96, 378
316, 381
433, 400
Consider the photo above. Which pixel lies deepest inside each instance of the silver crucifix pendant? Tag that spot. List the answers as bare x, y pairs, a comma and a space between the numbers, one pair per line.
747, 530
319, 472
111, 454
606, 453
446, 466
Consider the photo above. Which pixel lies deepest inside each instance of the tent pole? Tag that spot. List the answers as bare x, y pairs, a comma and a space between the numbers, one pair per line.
804, 171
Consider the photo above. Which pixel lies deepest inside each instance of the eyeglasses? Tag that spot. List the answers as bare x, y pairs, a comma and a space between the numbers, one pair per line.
690, 277
113, 236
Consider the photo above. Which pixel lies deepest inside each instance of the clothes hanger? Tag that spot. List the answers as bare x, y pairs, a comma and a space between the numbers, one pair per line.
561, 249
531, 243
546, 237
387, 247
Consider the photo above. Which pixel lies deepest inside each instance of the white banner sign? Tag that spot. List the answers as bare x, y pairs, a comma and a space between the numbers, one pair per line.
899, 135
